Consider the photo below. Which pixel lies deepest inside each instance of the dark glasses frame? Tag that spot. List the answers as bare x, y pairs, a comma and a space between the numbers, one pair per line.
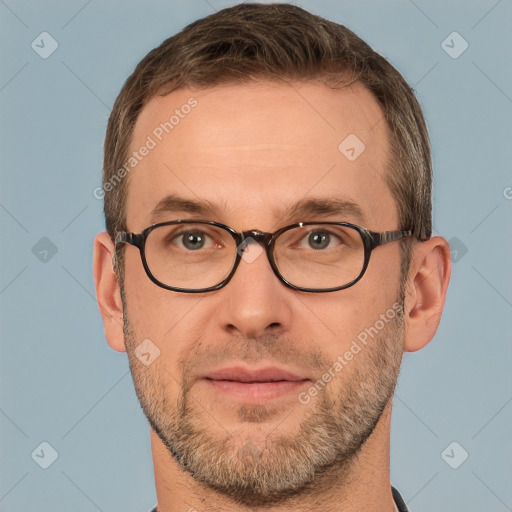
371, 240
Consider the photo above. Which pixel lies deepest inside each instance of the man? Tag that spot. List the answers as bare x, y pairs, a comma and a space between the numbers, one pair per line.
253, 163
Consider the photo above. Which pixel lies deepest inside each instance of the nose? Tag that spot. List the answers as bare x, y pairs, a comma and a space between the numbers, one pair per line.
255, 302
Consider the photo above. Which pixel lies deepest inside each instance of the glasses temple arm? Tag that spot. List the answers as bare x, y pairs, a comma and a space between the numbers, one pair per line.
391, 236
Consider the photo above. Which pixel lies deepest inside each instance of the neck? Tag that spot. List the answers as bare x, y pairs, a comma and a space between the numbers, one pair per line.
364, 485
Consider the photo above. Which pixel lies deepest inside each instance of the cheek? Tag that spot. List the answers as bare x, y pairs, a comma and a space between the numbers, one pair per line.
344, 315
382, 277
334, 320
153, 311
139, 289
173, 322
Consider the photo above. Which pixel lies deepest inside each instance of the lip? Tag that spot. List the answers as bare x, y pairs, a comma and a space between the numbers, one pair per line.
253, 386
241, 374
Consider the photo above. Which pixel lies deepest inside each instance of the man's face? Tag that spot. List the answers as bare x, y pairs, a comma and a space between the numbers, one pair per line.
252, 152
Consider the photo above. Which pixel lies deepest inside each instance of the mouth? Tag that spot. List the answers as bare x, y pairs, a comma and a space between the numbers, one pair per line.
254, 386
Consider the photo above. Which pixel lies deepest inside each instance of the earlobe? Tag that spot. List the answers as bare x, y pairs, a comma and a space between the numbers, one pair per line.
426, 293
108, 293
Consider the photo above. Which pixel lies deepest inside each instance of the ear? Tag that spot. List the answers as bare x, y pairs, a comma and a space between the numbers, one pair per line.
429, 276
108, 293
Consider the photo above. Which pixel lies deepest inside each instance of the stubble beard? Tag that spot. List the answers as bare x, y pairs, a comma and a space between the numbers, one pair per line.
276, 466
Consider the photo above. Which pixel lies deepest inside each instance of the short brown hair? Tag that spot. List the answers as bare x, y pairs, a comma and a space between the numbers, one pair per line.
276, 42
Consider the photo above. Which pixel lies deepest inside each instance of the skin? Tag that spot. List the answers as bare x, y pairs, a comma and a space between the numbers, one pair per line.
249, 150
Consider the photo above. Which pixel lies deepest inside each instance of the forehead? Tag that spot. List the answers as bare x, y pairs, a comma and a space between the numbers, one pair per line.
253, 149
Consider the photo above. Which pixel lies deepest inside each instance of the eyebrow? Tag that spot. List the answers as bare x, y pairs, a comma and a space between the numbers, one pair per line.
175, 204
305, 208
328, 206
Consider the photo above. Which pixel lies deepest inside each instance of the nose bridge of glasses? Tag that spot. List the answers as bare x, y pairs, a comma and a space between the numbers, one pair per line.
260, 237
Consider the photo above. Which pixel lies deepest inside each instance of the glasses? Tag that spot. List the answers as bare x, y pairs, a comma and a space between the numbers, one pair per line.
196, 256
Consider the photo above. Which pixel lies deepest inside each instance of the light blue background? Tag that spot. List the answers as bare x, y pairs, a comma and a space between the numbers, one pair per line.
61, 383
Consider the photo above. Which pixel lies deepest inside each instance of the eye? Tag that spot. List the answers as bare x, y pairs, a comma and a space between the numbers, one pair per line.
193, 240
319, 239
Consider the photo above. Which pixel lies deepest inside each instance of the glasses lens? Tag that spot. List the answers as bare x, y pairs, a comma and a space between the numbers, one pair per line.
190, 255
319, 256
